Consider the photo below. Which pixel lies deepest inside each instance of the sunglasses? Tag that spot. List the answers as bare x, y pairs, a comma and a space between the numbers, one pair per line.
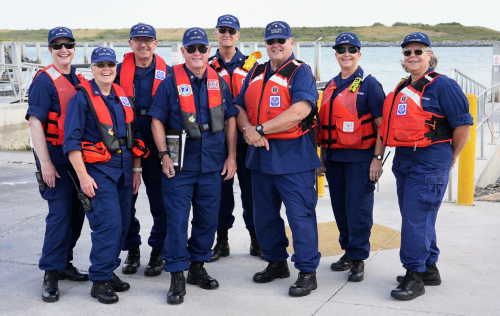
417, 52
223, 30
146, 41
192, 49
351, 50
58, 46
280, 41
102, 64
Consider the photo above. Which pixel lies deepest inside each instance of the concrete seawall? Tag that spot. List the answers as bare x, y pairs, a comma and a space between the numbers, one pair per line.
14, 132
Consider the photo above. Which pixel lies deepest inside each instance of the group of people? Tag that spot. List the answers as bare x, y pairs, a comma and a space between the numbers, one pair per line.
257, 120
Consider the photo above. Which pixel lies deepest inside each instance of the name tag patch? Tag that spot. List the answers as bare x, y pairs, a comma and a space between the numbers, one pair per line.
402, 108
213, 84
160, 74
125, 101
348, 127
275, 101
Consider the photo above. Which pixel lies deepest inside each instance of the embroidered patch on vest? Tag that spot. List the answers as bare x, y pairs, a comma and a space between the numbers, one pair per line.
213, 84
274, 89
404, 98
125, 101
185, 90
275, 101
160, 74
402, 108
348, 127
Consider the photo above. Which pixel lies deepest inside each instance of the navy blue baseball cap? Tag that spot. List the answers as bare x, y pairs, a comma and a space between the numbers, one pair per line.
229, 21
417, 37
103, 54
142, 29
58, 32
195, 35
278, 29
347, 38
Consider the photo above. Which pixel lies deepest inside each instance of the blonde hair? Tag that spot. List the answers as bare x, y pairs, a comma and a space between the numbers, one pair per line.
432, 63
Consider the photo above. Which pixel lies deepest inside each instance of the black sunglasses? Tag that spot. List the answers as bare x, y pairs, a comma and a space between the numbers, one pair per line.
192, 49
351, 50
58, 46
102, 64
417, 52
223, 30
280, 41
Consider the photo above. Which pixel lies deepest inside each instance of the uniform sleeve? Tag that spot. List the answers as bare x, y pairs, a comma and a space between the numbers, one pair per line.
118, 72
375, 98
240, 98
160, 108
230, 110
455, 105
303, 86
40, 99
74, 124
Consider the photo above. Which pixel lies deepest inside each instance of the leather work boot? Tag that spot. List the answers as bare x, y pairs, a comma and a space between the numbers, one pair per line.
343, 264
221, 248
429, 277
104, 293
118, 285
411, 287
177, 289
273, 271
132, 262
50, 288
155, 265
72, 274
255, 249
197, 275
357, 271
306, 282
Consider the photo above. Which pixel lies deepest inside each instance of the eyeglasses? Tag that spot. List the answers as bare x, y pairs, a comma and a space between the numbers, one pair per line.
351, 50
417, 52
145, 41
102, 64
280, 41
223, 30
192, 49
58, 46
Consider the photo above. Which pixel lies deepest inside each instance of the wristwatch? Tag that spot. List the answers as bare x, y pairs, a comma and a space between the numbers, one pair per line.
378, 157
163, 153
260, 129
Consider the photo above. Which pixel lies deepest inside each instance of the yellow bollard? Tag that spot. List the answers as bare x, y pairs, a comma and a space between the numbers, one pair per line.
320, 180
467, 159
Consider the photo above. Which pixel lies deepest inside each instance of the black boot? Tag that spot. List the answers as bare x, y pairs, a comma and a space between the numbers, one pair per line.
118, 285
198, 275
429, 277
177, 289
411, 287
255, 249
104, 293
221, 248
132, 262
273, 271
343, 264
357, 271
50, 287
73, 274
306, 282
155, 265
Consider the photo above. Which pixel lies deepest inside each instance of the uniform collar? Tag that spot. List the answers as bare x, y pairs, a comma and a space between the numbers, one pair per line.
191, 75
97, 91
269, 64
358, 73
237, 58
408, 81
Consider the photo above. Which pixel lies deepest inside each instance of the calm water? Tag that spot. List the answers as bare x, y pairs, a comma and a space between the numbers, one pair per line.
381, 62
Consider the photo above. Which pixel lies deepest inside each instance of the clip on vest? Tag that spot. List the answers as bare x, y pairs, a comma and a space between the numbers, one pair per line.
355, 84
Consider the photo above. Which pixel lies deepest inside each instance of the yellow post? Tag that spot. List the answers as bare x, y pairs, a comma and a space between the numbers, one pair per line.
467, 159
320, 180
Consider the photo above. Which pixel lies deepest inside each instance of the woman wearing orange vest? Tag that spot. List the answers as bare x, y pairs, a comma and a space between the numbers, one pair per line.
102, 144
351, 152
49, 95
424, 113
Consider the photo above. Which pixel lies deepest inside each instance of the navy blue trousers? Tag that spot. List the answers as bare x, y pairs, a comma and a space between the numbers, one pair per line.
296, 191
63, 223
420, 193
151, 175
351, 195
202, 191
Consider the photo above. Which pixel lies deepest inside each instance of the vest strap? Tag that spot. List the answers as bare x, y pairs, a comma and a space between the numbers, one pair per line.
141, 112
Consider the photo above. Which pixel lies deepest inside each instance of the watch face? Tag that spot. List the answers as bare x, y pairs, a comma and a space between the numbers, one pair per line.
379, 157
259, 127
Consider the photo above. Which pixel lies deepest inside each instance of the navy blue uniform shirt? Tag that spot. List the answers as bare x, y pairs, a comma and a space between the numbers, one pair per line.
208, 153
42, 99
443, 97
80, 125
370, 99
288, 155
143, 88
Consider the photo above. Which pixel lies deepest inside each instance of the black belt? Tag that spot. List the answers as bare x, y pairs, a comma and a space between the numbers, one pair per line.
141, 112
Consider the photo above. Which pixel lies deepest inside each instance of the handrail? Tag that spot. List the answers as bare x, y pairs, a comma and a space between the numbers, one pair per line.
465, 82
482, 99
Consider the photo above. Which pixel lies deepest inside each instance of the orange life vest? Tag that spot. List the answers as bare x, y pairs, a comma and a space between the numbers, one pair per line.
53, 127
263, 102
236, 81
188, 108
128, 72
340, 126
406, 123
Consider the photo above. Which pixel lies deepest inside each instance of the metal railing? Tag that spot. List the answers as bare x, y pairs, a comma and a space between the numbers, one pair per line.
486, 102
465, 82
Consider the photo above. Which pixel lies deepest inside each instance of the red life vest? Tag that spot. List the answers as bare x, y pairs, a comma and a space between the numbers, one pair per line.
263, 102
236, 81
340, 125
406, 123
53, 127
128, 72
188, 108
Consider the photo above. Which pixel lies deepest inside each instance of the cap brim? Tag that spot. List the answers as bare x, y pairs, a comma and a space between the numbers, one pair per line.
71, 38
231, 26
406, 43
277, 36
193, 42
104, 58
144, 35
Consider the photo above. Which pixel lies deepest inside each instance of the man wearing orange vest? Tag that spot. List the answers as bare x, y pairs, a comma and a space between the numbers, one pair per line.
49, 95
139, 75
228, 61
277, 104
